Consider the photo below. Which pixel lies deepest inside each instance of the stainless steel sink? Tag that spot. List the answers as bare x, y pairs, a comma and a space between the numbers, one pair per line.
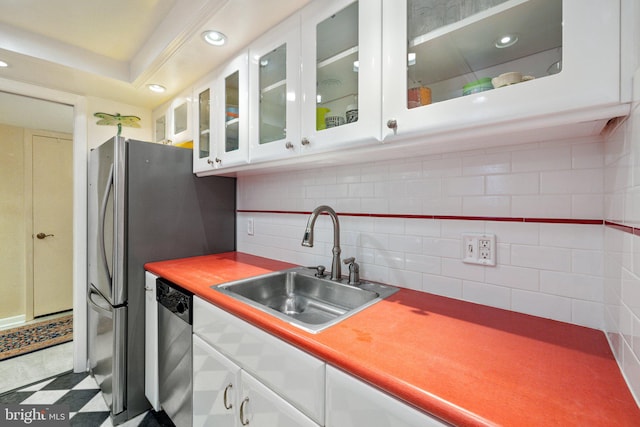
308, 302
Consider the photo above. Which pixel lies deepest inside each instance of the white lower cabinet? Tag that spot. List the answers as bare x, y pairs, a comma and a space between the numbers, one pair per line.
226, 396
151, 390
352, 403
245, 376
290, 380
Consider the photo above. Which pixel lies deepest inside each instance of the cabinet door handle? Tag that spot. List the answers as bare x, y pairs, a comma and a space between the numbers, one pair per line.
393, 124
243, 421
305, 141
288, 145
226, 390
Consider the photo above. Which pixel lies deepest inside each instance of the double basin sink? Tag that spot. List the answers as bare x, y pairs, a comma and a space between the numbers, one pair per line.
298, 296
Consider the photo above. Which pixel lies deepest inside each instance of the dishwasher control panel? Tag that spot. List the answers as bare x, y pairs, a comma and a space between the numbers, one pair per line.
175, 299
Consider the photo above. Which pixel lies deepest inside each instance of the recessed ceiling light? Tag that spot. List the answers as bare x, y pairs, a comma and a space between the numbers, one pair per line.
3, 64
506, 40
156, 88
215, 38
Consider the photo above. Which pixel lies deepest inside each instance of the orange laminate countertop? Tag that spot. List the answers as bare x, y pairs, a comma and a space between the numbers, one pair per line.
468, 364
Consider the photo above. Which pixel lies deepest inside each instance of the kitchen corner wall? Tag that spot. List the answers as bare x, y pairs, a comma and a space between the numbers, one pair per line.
543, 201
622, 243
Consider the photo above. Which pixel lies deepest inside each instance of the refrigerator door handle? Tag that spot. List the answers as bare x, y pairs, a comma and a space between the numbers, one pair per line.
105, 310
101, 221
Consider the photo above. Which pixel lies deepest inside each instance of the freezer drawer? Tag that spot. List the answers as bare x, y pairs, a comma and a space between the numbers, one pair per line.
107, 353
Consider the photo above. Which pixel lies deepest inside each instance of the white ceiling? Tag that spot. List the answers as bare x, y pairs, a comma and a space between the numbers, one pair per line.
113, 49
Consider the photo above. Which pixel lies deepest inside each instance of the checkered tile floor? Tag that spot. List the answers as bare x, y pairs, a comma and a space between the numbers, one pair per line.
86, 404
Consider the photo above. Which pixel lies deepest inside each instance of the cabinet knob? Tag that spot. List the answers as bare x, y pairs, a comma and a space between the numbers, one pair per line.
218, 160
305, 141
393, 124
210, 162
288, 145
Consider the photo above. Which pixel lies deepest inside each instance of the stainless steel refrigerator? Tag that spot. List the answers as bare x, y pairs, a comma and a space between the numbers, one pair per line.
144, 204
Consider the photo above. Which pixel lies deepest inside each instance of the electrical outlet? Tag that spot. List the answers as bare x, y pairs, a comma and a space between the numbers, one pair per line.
250, 226
479, 248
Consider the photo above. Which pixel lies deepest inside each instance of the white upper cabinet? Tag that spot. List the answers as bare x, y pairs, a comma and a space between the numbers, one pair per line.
436, 75
341, 74
231, 118
509, 64
203, 143
274, 93
159, 118
173, 122
221, 105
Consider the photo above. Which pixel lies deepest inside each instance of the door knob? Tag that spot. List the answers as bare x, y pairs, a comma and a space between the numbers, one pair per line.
43, 236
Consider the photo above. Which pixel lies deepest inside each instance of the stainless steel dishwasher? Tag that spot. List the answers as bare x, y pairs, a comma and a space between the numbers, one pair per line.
175, 352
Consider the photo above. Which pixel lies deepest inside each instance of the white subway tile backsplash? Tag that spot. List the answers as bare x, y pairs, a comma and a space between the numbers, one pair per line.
405, 170
572, 285
587, 155
405, 243
571, 236
423, 263
543, 305
361, 189
443, 206
441, 285
487, 164
581, 181
445, 248
493, 206
514, 277
482, 293
541, 206
587, 206
544, 159
442, 167
388, 258
460, 270
463, 186
587, 313
587, 262
406, 279
422, 227
560, 271
519, 183
541, 257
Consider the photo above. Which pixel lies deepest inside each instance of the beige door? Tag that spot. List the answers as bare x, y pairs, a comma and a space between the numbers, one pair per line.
52, 174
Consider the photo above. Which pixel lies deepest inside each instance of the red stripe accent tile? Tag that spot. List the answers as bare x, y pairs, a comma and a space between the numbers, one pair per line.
444, 217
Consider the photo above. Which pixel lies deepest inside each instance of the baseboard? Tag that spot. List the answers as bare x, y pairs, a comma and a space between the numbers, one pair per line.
12, 321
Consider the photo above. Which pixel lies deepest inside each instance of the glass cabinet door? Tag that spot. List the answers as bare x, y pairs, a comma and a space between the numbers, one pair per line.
161, 130
461, 47
232, 112
341, 52
337, 67
272, 112
202, 149
274, 92
180, 118
468, 64
232, 116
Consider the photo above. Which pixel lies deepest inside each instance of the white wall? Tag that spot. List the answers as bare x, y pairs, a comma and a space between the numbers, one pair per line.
553, 270
622, 245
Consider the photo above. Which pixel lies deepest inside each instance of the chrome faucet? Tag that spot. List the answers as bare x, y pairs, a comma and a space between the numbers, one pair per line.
307, 240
